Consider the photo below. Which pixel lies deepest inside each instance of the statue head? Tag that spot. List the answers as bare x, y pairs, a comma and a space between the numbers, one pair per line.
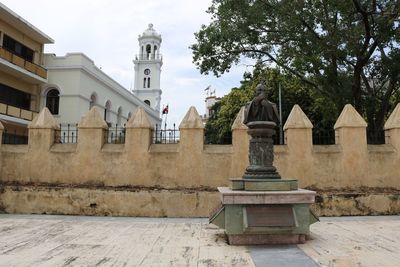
260, 88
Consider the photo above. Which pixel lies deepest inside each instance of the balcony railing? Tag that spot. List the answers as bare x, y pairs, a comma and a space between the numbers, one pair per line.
17, 112
148, 57
20, 62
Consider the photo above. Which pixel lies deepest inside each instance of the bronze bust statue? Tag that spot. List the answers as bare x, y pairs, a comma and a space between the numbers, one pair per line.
260, 108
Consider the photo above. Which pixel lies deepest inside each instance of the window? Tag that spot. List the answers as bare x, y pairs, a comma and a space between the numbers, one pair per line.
148, 51
144, 83
148, 82
147, 102
13, 97
119, 116
52, 101
155, 52
17, 48
107, 111
93, 101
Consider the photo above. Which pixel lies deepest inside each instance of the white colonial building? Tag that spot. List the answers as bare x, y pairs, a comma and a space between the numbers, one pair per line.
148, 68
68, 85
75, 85
210, 100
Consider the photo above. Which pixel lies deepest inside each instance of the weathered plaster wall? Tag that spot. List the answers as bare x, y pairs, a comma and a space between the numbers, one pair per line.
153, 202
107, 201
172, 169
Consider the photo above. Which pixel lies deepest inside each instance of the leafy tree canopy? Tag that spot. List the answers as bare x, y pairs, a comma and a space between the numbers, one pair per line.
346, 50
294, 91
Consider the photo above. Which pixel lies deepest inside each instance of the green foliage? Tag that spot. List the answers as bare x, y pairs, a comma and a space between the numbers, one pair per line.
344, 51
321, 112
218, 127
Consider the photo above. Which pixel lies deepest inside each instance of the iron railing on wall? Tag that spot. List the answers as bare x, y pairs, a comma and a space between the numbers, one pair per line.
67, 134
226, 140
115, 134
375, 137
165, 135
323, 137
16, 137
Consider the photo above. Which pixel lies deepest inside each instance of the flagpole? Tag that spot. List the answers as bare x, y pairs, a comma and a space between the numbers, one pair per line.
166, 114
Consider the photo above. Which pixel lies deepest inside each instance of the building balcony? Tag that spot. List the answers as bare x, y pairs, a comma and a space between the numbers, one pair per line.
148, 57
21, 68
16, 112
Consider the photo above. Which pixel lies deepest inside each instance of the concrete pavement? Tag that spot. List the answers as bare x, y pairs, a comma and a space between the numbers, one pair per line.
51, 240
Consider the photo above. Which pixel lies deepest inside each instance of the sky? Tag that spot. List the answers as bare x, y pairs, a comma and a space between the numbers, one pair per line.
107, 31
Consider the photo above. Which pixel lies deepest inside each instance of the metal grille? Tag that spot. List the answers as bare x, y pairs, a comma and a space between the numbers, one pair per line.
324, 137
375, 137
226, 140
16, 137
165, 136
68, 134
115, 135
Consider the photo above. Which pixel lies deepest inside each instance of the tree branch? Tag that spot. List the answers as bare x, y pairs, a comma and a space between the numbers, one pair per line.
305, 24
292, 71
367, 26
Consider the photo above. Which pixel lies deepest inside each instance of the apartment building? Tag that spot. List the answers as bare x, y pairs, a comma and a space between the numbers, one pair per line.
21, 73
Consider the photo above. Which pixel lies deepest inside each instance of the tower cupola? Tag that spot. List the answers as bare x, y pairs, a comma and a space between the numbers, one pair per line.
148, 68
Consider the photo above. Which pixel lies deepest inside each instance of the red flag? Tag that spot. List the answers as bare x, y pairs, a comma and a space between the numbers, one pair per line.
165, 110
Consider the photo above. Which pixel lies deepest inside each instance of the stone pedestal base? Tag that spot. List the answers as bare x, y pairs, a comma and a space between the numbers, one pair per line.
277, 239
264, 217
263, 184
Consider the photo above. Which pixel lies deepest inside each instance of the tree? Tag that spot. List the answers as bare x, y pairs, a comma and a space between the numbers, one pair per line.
347, 51
218, 127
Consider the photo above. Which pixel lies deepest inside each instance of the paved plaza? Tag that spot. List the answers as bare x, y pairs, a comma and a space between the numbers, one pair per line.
46, 240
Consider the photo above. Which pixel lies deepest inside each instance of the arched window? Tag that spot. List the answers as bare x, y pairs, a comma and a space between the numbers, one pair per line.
107, 111
144, 83
129, 115
53, 101
93, 101
148, 82
148, 51
119, 116
147, 102
155, 52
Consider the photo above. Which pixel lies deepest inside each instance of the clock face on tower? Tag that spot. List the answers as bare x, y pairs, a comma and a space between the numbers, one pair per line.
146, 71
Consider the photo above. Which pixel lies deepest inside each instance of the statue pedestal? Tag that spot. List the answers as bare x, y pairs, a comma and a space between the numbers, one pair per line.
261, 208
265, 217
261, 151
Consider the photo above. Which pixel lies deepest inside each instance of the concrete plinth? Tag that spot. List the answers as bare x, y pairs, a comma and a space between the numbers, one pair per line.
265, 217
261, 208
263, 184
263, 239
299, 196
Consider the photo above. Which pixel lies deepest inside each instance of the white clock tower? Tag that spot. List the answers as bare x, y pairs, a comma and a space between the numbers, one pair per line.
148, 68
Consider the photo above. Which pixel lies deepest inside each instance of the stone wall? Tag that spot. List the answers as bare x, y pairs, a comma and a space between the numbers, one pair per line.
139, 178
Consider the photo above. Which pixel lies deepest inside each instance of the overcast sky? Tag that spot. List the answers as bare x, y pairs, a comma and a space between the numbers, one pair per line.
107, 32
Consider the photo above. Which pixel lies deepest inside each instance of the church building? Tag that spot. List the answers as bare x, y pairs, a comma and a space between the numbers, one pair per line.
93, 87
